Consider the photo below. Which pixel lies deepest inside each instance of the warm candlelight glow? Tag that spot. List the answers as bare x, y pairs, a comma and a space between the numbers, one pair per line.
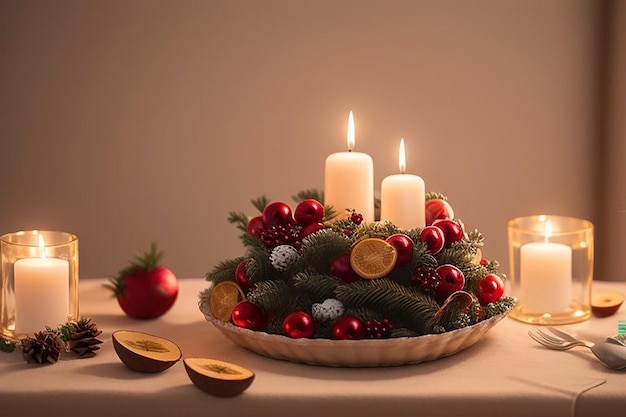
351, 135
548, 231
402, 157
42, 247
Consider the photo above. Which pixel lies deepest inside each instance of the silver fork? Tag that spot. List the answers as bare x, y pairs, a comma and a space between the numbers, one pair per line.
613, 356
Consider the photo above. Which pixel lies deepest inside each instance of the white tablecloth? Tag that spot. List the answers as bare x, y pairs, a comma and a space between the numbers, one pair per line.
505, 373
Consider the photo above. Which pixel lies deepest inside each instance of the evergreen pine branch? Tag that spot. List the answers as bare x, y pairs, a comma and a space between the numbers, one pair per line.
260, 268
503, 305
260, 202
223, 271
402, 332
319, 248
271, 295
239, 219
404, 304
364, 314
252, 242
319, 286
378, 229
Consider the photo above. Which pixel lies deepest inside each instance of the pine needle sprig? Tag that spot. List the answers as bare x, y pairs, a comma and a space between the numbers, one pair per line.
260, 202
319, 248
320, 286
272, 295
224, 270
405, 304
239, 219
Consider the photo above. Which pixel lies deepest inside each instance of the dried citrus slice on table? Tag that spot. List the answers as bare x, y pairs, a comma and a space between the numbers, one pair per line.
224, 297
373, 258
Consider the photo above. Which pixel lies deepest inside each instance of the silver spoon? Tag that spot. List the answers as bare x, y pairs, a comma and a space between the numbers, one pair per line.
612, 354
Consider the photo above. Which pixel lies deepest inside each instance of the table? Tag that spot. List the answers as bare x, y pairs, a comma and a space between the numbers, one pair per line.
505, 373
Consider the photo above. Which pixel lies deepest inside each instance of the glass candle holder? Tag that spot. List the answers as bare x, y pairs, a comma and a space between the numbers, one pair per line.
551, 269
39, 281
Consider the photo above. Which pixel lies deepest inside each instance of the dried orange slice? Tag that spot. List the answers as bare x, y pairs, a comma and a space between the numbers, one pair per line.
224, 297
373, 258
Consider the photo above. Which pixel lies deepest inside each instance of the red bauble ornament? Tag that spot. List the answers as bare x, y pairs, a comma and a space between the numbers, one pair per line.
299, 324
404, 247
308, 211
451, 280
310, 229
249, 316
277, 213
434, 239
489, 289
438, 209
340, 267
348, 328
255, 225
241, 277
452, 231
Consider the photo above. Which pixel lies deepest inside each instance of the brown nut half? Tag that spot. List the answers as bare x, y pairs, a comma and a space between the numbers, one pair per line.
218, 378
145, 352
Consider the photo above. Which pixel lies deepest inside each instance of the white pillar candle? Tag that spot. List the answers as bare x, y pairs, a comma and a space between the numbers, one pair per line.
545, 276
402, 199
41, 293
349, 179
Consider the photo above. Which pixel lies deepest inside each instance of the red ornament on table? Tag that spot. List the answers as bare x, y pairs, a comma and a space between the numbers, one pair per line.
434, 239
437, 208
340, 267
404, 247
452, 231
348, 328
299, 324
309, 211
451, 280
249, 316
489, 289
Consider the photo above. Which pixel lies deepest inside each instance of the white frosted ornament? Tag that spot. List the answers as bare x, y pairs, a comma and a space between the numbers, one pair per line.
283, 257
329, 310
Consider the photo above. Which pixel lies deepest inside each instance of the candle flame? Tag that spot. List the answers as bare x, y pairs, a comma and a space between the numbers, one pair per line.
402, 157
42, 247
548, 230
351, 135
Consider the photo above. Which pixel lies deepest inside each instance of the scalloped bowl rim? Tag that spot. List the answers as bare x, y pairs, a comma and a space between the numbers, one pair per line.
354, 353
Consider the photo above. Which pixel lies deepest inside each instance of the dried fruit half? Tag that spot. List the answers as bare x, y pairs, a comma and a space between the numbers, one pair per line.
373, 258
144, 352
223, 298
218, 378
604, 304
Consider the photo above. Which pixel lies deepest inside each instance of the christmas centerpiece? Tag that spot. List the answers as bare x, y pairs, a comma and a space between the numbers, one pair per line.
328, 288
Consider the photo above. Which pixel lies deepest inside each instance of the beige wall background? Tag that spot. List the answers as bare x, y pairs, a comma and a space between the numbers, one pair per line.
127, 122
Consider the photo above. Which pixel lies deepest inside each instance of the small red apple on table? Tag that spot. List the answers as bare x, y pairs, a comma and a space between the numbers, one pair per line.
145, 289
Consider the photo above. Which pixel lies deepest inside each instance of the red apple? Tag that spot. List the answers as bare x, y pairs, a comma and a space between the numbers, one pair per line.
452, 231
145, 289
404, 247
451, 280
434, 239
437, 208
489, 289
340, 267
277, 213
309, 211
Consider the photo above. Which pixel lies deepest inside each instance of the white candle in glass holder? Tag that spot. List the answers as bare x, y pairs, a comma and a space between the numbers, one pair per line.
402, 197
545, 276
41, 292
349, 179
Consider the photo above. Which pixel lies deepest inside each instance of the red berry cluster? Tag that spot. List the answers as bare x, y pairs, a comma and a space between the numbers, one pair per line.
378, 329
277, 225
426, 279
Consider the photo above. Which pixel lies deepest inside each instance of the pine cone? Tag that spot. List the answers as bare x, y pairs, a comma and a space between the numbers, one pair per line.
83, 341
44, 347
